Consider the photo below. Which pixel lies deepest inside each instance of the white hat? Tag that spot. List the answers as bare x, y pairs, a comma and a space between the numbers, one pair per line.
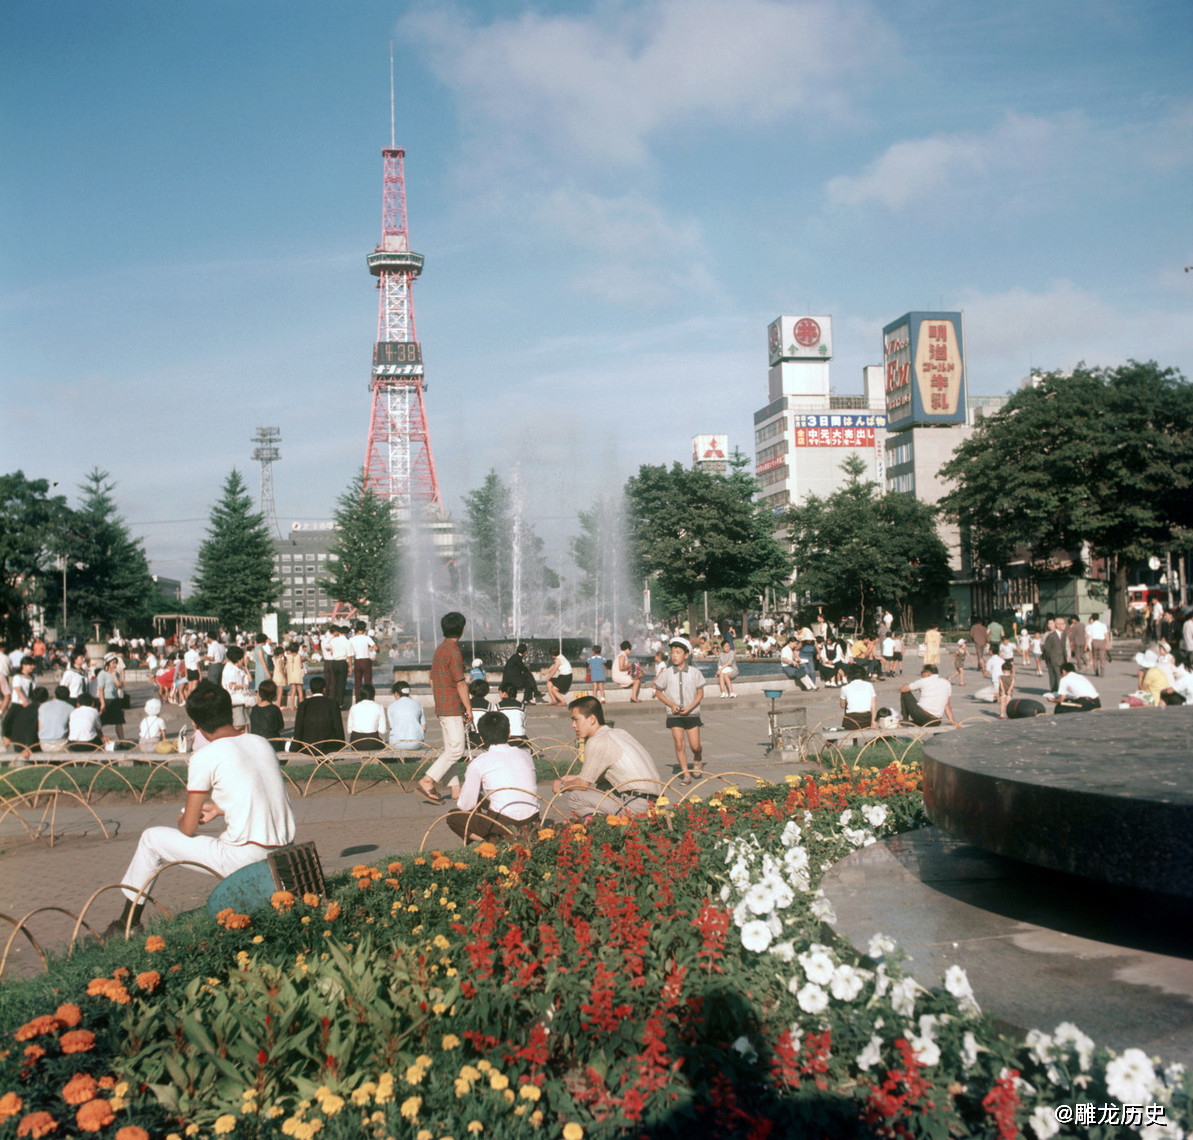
153, 707
682, 642
1147, 659
477, 663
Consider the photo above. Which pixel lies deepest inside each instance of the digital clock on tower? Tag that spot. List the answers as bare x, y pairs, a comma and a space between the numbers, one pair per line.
397, 352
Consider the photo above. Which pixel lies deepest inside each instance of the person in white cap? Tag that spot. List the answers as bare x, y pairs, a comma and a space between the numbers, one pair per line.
681, 689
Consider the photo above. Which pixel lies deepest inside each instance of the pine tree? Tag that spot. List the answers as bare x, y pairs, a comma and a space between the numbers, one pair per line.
364, 563
108, 582
235, 573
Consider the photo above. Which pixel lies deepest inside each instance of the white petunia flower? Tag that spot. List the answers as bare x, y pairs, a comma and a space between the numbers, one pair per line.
812, 999
1068, 1034
818, 966
880, 946
847, 982
969, 1051
823, 909
925, 1050
956, 981
875, 814
846, 816
903, 997
1043, 1122
1039, 1046
791, 834
775, 923
871, 1055
853, 836
784, 951
760, 899
742, 1045
755, 936
741, 914
1130, 1078
779, 887
796, 859
881, 982
726, 893
928, 1023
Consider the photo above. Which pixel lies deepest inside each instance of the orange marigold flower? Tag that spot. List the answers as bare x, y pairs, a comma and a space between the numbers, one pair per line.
10, 1104
395, 883
36, 1125
364, 884
77, 1041
108, 1082
332, 913
222, 916
120, 973
32, 1053
149, 980
94, 1115
487, 851
79, 1089
38, 1026
281, 900
460, 866
616, 820
154, 943
441, 863
109, 988
310, 899
420, 862
132, 1132
237, 922
547, 833
395, 868
68, 1015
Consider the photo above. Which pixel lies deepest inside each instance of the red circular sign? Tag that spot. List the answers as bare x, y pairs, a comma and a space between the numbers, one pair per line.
807, 332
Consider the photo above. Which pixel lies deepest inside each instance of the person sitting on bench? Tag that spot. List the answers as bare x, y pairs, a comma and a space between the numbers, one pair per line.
859, 699
241, 775
934, 701
504, 775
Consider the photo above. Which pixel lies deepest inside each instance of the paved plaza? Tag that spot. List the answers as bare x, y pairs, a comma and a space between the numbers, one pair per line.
1048, 958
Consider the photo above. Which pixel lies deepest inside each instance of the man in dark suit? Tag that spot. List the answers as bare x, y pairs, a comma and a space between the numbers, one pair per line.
319, 724
516, 675
1054, 651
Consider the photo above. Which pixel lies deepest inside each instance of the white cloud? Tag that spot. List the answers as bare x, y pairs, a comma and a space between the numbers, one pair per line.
604, 86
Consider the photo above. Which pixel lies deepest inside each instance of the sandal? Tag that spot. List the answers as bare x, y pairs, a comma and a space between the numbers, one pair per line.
430, 793
686, 778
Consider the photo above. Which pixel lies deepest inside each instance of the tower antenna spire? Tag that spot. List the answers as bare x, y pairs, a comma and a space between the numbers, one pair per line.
392, 135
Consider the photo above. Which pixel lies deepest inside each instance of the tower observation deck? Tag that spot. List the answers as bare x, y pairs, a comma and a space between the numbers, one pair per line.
399, 467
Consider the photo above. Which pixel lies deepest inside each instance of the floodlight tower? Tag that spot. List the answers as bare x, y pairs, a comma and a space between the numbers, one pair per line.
399, 467
266, 453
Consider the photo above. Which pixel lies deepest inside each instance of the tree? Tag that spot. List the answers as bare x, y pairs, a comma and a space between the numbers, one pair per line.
364, 562
1104, 457
107, 578
858, 549
697, 531
235, 572
31, 536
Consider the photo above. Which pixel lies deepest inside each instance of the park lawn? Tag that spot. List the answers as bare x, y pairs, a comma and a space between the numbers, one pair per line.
662, 975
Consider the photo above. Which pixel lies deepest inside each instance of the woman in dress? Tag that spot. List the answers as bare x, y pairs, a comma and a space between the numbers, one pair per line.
932, 645
111, 703
625, 673
235, 680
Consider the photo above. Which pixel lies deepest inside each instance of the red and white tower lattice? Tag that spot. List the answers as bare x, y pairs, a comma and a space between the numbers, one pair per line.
399, 467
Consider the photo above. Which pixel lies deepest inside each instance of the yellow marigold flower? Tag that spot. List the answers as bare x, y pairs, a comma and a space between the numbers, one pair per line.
132, 1132
441, 863
224, 1124
536, 1118
484, 1066
475, 1126
423, 1134
415, 1074
462, 1087
331, 1104
451, 971
546, 833
440, 942
450, 1041
530, 1092
469, 1073
360, 1096
499, 1081
310, 899
509, 1095
438, 1008
10, 1105
410, 1107
572, 1131
487, 851
662, 801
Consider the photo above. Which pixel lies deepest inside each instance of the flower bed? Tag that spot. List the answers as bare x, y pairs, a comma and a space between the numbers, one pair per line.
653, 976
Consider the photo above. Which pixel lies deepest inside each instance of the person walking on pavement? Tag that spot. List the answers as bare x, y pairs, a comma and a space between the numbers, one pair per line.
449, 686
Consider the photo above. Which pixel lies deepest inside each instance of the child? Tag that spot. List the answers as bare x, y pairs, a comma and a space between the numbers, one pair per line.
1037, 651
596, 673
1006, 687
477, 671
899, 655
478, 697
515, 712
152, 730
265, 718
960, 660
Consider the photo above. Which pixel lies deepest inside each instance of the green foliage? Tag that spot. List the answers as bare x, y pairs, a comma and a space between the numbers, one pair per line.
859, 549
1103, 456
696, 531
364, 566
235, 569
31, 535
108, 579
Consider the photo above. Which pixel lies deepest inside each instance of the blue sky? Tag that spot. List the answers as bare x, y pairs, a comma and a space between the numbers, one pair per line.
614, 199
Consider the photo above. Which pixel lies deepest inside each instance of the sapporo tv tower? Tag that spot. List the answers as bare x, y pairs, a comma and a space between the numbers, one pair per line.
399, 467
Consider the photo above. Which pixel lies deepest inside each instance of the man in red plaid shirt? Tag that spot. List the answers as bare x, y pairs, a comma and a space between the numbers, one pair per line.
449, 686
